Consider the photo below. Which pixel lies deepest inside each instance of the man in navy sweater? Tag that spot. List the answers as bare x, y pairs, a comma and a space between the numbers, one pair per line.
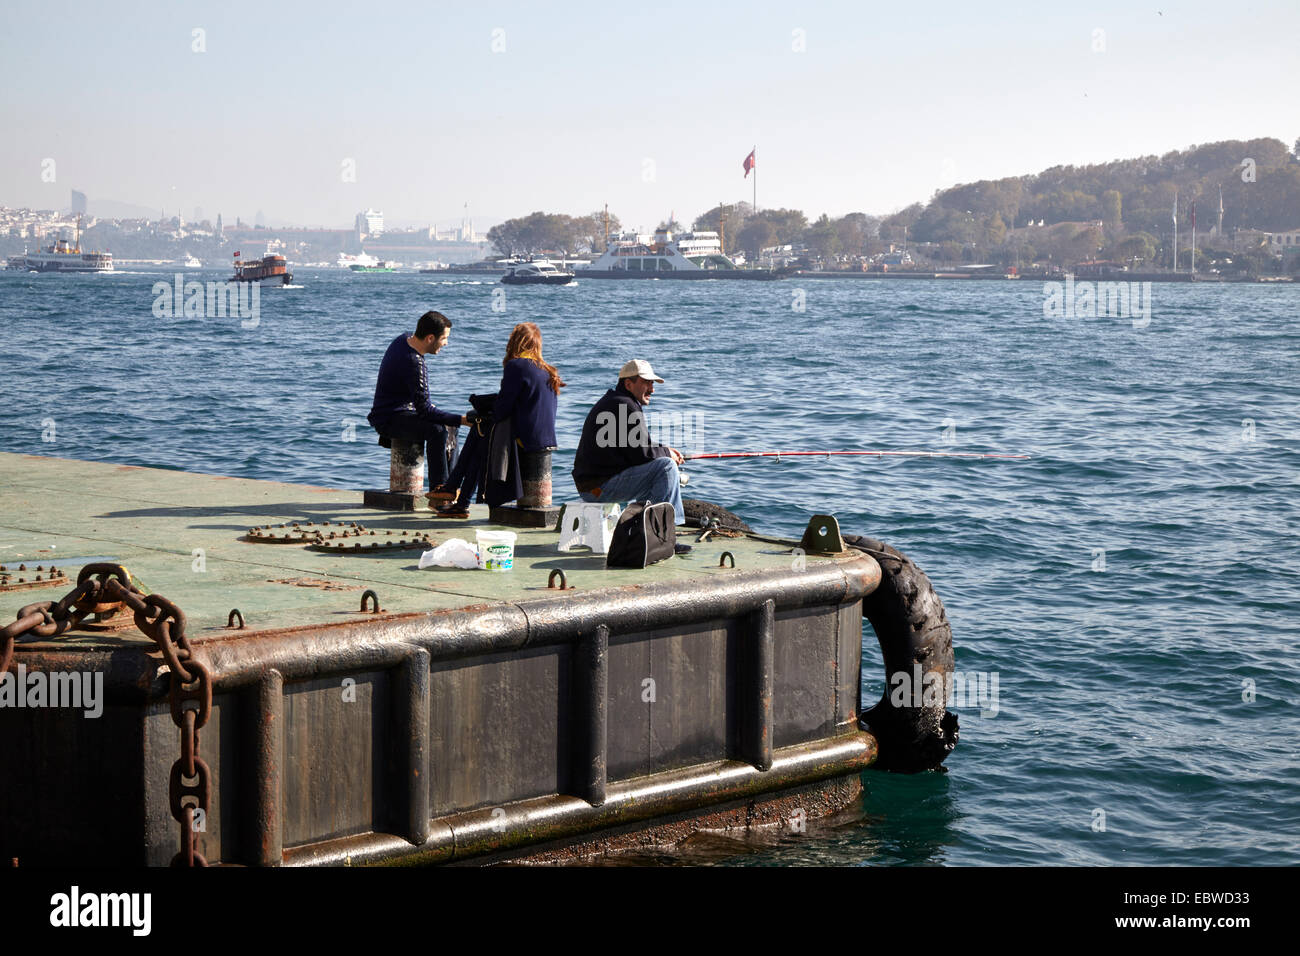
402, 408
615, 460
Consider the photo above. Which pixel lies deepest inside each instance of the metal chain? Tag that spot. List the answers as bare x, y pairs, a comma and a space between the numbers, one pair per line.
103, 588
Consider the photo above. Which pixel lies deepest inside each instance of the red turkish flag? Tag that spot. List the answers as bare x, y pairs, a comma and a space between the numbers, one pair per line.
749, 163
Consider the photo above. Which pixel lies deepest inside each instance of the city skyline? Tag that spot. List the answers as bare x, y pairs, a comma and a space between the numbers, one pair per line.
420, 111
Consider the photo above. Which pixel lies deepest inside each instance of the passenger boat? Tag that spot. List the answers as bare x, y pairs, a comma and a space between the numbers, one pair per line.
663, 255
272, 269
539, 272
379, 266
63, 256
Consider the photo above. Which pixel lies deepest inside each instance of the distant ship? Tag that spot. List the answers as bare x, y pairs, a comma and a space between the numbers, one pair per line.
379, 266
540, 272
269, 269
62, 256
192, 262
346, 261
689, 255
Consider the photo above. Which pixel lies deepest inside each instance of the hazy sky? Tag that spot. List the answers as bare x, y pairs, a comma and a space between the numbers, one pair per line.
650, 107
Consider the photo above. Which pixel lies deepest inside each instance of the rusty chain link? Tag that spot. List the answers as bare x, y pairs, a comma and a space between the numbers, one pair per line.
105, 588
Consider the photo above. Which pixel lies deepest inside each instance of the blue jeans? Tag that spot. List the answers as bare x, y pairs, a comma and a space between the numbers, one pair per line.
656, 480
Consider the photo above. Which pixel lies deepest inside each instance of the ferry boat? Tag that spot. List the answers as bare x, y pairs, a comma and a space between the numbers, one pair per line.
192, 262
688, 255
347, 261
379, 266
272, 269
62, 256
541, 272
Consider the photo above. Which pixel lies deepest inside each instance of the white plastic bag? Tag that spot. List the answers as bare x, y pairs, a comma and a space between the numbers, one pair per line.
452, 553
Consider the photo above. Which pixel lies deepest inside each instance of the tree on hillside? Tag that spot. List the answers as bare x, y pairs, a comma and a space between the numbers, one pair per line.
538, 232
1112, 211
788, 223
856, 230
995, 231
591, 229
756, 236
822, 238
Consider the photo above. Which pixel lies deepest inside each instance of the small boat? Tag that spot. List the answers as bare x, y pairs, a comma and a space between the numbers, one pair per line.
541, 272
379, 266
192, 262
271, 269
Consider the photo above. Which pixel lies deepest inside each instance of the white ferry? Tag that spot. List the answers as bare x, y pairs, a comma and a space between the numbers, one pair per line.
346, 261
63, 256
688, 255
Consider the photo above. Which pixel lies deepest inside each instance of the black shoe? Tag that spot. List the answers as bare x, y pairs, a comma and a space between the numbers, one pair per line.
681, 548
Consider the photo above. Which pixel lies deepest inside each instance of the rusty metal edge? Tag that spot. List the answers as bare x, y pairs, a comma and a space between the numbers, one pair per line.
380, 642
494, 830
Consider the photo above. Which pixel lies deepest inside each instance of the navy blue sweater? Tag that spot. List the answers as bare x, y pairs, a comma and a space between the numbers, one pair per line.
614, 439
526, 400
403, 385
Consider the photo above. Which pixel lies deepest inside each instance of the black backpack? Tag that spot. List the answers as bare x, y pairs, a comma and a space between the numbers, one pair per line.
645, 533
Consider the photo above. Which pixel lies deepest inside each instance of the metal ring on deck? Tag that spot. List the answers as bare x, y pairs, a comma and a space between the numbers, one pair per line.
230, 618
564, 583
369, 594
722, 559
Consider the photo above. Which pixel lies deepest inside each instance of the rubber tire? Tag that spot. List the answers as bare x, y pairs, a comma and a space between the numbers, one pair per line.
912, 627
699, 512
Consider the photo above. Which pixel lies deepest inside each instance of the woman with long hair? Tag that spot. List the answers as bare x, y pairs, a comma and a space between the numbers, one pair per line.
527, 400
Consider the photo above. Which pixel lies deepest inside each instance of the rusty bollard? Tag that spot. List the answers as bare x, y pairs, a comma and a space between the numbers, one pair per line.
534, 508
405, 478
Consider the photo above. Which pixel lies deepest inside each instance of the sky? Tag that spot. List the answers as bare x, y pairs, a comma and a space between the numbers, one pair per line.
311, 112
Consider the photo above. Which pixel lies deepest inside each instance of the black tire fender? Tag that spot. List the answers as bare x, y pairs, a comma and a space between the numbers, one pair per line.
912, 627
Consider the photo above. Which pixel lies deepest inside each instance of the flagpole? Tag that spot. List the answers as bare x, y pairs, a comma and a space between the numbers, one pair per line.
755, 155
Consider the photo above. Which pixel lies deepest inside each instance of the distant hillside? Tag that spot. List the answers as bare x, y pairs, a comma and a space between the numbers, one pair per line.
1131, 195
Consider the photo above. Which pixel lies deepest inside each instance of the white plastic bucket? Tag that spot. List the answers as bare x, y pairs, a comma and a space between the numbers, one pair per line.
496, 550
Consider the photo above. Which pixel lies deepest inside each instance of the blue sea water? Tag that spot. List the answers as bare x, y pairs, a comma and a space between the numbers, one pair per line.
1135, 585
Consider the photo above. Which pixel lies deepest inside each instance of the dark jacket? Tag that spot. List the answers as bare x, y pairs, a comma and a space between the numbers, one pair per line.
614, 439
527, 402
403, 386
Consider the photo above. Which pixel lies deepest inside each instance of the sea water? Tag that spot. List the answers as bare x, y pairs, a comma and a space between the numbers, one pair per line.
1134, 587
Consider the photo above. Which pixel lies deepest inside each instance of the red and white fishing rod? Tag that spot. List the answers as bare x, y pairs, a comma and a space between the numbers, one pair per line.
867, 454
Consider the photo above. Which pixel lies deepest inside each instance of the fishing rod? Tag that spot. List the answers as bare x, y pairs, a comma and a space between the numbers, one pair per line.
874, 454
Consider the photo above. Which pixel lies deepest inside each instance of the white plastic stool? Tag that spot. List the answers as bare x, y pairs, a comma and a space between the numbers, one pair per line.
588, 523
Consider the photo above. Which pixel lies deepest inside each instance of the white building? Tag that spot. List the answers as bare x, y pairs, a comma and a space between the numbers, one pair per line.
1284, 243
370, 222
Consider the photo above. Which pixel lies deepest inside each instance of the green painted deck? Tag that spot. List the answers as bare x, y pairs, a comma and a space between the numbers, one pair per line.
154, 521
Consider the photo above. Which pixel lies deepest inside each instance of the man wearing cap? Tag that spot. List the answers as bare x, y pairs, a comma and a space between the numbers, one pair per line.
615, 460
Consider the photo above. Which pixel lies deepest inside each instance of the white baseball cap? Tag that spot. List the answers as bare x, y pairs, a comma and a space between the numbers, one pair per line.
639, 368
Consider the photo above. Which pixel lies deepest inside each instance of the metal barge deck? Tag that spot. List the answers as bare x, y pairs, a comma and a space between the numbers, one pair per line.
476, 716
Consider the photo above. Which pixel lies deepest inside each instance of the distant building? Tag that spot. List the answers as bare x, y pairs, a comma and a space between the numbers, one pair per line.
78, 203
370, 223
1284, 243
1099, 268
